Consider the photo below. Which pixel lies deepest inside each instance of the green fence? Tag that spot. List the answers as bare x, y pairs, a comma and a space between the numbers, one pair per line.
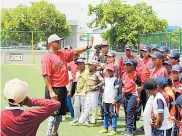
171, 39
25, 40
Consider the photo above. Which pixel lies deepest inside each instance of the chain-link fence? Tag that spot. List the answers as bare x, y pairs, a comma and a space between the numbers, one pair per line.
171, 39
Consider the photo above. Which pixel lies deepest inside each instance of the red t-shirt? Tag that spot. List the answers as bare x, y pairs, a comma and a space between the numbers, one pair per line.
129, 82
18, 122
55, 66
159, 72
73, 68
145, 69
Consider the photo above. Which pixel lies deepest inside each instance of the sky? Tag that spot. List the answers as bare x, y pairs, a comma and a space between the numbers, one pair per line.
171, 10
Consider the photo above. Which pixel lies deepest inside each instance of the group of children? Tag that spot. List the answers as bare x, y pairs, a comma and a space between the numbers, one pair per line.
151, 81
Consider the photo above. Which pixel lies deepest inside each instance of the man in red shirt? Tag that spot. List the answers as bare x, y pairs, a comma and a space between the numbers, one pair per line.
55, 73
15, 120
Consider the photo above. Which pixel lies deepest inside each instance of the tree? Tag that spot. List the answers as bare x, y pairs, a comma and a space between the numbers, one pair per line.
123, 22
41, 17
175, 38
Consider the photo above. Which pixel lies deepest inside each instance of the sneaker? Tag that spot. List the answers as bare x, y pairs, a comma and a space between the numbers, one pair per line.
92, 125
87, 123
123, 133
77, 124
63, 118
103, 131
100, 118
54, 134
74, 121
128, 133
112, 133
141, 129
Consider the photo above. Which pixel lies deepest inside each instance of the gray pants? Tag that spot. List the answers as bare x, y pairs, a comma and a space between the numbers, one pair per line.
53, 124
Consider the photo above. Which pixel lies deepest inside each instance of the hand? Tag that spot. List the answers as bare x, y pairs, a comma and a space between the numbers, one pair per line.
53, 95
91, 42
139, 89
69, 94
26, 100
113, 102
172, 119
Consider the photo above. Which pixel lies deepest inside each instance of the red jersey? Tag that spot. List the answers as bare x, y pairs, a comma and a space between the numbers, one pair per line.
55, 66
130, 82
15, 121
159, 72
73, 68
145, 69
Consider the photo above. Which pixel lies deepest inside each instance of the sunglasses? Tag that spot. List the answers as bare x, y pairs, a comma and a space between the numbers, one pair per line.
128, 65
58, 42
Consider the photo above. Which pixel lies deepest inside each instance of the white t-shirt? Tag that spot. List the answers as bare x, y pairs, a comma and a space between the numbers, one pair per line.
109, 90
166, 124
70, 78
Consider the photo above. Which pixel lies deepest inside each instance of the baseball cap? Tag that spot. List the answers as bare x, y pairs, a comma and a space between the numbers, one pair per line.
154, 46
54, 37
111, 54
160, 81
146, 48
156, 54
176, 68
79, 61
128, 61
134, 62
174, 54
104, 43
163, 49
128, 47
15, 91
150, 84
167, 63
110, 67
92, 62
178, 101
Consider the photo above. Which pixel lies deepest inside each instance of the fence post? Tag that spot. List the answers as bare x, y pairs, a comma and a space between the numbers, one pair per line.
32, 52
138, 43
88, 40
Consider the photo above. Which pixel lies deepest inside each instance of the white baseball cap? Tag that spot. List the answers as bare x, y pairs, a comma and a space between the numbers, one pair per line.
53, 37
15, 90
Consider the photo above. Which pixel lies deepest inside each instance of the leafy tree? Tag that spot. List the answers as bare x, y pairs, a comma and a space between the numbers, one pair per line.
41, 17
123, 22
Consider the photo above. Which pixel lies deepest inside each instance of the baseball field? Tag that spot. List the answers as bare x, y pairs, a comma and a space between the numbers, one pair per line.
32, 75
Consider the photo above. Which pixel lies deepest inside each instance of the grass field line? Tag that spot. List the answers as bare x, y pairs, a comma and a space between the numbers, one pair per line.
36, 68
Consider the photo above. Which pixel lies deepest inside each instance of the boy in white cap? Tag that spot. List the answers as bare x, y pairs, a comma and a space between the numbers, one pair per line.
15, 121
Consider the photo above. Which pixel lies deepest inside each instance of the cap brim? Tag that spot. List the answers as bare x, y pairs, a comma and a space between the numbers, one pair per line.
176, 70
161, 50
171, 56
128, 49
144, 50
165, 63
110, 69
153, 56
128, 63
173, 103
78, 62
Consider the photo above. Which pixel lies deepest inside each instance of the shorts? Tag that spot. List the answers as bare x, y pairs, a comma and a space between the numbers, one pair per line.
61, 93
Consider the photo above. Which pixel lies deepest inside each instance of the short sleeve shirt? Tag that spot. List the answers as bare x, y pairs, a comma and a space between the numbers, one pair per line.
55, 66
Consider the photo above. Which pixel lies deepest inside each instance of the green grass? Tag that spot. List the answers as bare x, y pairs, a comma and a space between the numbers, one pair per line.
33, 77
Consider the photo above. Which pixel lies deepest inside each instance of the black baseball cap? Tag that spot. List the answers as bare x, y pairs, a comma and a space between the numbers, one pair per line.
150, 84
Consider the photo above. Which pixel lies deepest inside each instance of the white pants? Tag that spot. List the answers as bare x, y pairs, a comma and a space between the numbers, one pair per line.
79, 106
91, 102
147, 116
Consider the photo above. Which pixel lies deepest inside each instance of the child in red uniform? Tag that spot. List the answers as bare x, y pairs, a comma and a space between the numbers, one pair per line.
130, 80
